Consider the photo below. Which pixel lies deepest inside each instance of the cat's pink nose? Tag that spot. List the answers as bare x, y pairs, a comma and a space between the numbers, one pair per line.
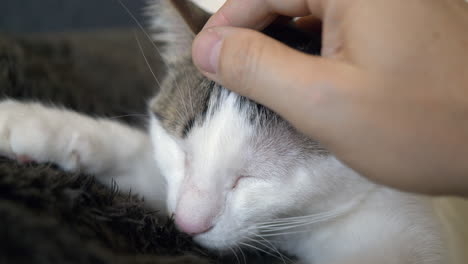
192, 226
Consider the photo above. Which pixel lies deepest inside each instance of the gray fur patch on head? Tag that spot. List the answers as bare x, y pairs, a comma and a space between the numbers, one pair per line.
182, 99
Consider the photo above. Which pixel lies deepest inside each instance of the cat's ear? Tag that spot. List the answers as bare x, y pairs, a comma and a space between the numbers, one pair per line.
175, 23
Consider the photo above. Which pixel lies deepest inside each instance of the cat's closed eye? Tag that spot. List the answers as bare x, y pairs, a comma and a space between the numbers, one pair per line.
239, 180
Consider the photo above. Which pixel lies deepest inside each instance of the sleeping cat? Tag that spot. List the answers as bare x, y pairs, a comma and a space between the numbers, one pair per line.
232, 172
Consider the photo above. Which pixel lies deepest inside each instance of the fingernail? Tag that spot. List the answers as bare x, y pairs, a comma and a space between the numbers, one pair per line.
206, 50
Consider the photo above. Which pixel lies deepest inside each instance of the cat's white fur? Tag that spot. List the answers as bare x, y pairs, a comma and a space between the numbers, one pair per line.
350, 220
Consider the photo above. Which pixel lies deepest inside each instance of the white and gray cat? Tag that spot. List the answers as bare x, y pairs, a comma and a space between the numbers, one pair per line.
235, 174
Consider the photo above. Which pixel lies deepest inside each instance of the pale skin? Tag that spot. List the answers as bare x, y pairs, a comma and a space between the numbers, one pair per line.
389, 97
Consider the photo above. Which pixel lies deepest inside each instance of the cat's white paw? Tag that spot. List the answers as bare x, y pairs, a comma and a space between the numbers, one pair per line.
32, 132
103, 148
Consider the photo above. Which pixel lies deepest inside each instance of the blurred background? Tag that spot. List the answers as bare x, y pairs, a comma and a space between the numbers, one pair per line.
28, 16
87, 55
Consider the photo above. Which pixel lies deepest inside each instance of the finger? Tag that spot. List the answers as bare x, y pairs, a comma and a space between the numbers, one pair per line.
256, 14
274, 75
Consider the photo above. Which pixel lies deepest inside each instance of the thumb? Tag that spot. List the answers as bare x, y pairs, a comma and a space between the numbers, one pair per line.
301, 88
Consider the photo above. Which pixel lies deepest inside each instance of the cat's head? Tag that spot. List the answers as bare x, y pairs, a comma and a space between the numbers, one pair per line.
231, 165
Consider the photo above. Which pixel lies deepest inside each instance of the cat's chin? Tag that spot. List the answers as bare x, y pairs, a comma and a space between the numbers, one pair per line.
220, 241
211, 244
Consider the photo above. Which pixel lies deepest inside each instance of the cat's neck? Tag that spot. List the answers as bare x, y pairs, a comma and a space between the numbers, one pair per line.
337, 193
339, 188
354, 213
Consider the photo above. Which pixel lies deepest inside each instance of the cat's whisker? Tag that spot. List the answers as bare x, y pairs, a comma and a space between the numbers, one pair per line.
192, 107
148, 37
297, 219
287, 233
243, 255
271, 231
146, 60
235, 254
141, 27
281, 256
274, 229
270, 246
287, 221
259, 249
258, 242
128, 115
283, 223
285, 226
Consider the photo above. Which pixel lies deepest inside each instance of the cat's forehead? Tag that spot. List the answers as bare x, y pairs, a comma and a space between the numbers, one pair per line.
182, 99
188, 99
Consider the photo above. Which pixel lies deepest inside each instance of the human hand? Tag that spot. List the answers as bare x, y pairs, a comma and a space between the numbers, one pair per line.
389, 97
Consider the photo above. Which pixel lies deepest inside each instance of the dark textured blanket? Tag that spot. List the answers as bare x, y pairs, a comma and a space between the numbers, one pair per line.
49, 216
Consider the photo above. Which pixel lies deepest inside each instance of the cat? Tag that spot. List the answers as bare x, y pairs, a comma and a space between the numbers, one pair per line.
233, 173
